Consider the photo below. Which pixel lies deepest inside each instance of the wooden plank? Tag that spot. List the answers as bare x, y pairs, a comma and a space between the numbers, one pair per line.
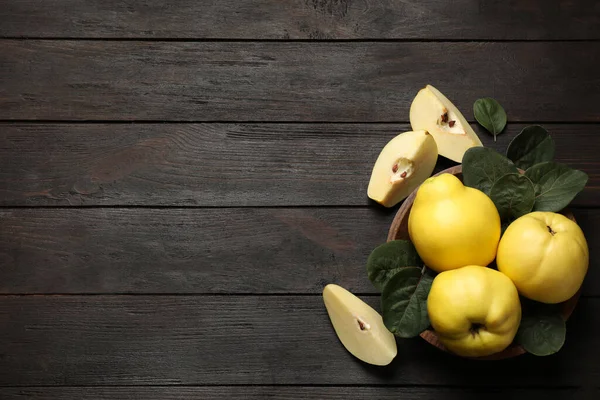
225, 164
189, 250
292, 393
254, 340
291, 81
203, 250
301, 19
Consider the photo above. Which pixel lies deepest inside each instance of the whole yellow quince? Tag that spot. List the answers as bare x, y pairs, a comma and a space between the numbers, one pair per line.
474, 310
452, 225
546, 256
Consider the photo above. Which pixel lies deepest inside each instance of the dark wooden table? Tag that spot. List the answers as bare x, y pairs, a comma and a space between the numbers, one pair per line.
180, 179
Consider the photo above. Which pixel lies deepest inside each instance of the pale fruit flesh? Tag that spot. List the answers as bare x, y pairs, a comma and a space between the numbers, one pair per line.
546, 255
435, 113
474, 310
402, 165
452, 225
359, 327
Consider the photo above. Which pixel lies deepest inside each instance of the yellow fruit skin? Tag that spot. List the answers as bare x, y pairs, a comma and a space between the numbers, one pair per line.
471, 295
545, 267
452, 225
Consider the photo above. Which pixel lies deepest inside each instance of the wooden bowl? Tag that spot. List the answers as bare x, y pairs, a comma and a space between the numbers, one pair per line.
399, 231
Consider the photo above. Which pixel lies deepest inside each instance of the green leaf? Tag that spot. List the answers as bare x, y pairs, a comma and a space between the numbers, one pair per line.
389, 258
542, 330
533, 145
505, 224
404, 302
556, 185
490, 114
513, 195
483, 166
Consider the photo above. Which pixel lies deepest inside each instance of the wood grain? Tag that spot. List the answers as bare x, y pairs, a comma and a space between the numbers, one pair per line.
225, 164
291, 81
252, 250
293, 393
217, 340
301, 19
194, 250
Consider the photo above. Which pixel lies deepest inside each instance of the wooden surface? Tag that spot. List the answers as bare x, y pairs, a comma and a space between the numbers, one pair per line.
215, 250
291, 393
290, 81
215, 164
302, 19
246, 340
180, 180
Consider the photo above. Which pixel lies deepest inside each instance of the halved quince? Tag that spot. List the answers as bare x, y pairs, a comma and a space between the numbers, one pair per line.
359, 327
403, 164
432, 111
